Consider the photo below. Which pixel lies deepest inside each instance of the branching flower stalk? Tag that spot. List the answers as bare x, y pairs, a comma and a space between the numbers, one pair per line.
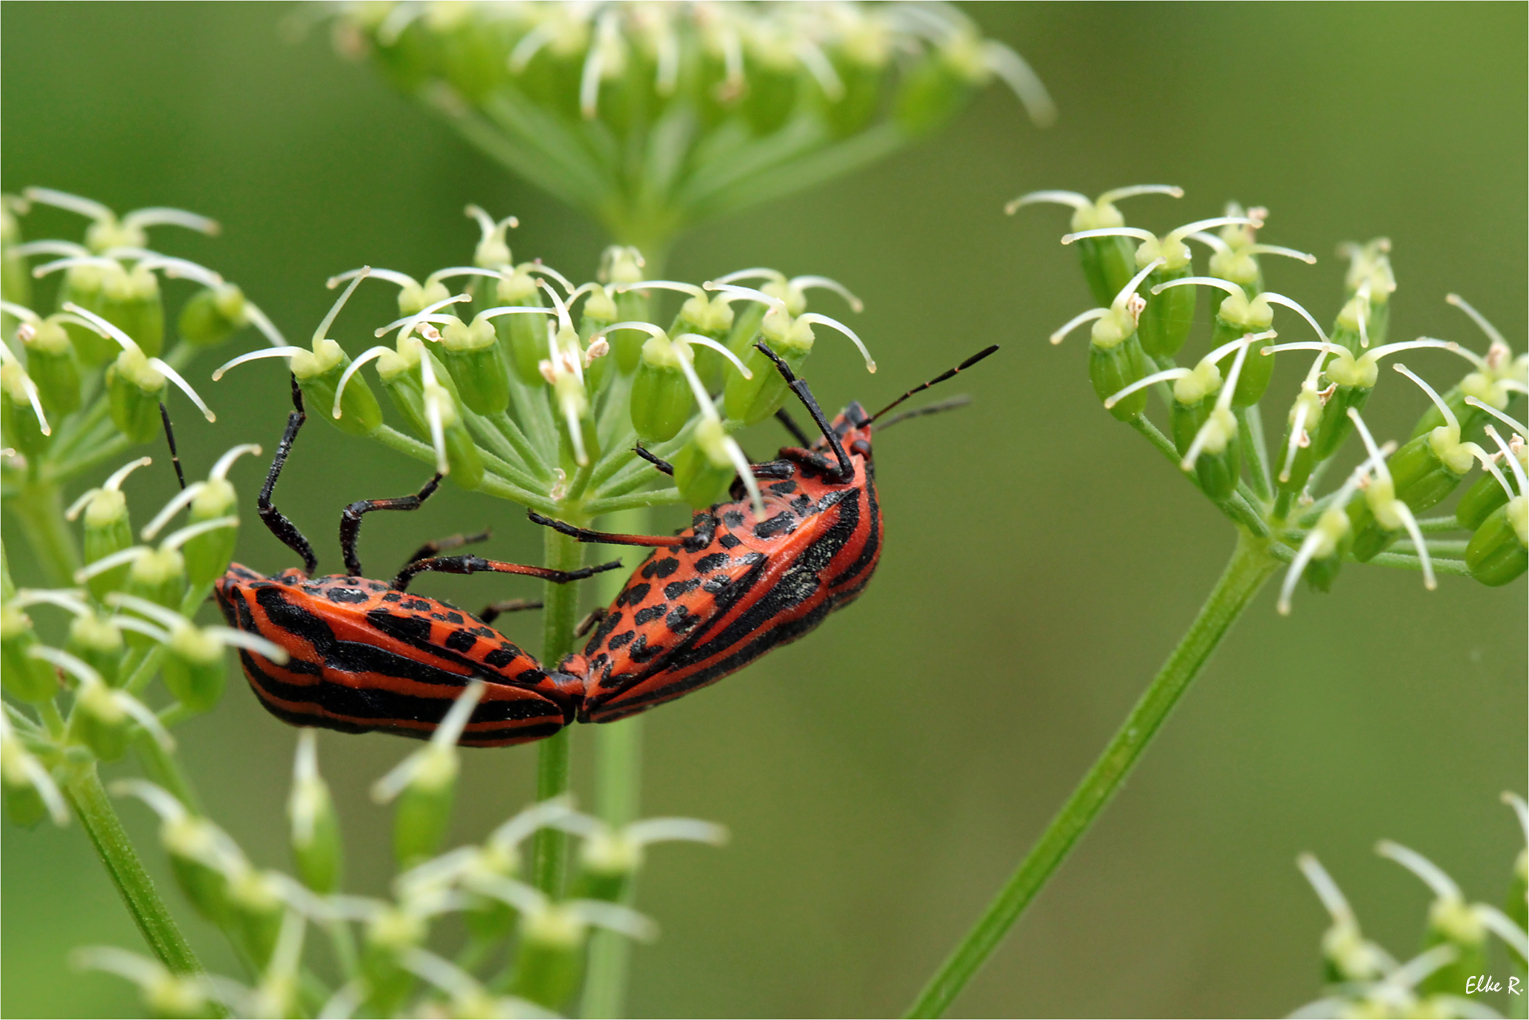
1214, 437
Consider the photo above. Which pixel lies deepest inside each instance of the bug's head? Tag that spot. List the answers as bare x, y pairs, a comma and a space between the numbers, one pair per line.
853, 427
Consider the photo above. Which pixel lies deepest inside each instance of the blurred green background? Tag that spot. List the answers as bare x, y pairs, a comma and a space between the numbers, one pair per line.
881, 778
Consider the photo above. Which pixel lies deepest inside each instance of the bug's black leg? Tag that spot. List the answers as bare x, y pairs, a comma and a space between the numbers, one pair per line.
273, 518
658, 462
588, 623
350, 521
784, 417
493, 609
477, 564
441, 545
585, 535
164, 416
799, 387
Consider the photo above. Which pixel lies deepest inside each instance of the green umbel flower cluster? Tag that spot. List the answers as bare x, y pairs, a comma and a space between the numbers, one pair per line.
1452, 976
523, 952
653, 116
1147, 286
516, 382
85, 381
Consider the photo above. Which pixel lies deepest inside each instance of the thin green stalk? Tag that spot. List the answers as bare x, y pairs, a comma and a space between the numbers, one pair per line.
40, 508
1251, 435
618, 795
1407, 561
1250, 566
559, 614
95, 812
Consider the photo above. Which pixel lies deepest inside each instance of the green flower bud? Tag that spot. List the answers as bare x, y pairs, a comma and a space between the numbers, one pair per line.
1370, 277
1115, 361
861, 61
192, 843
20, 421
1299, 446
939, 84
24, 803
599, 311
488, 918
15, 274
424, 807
661, 400
27, 678
135, 389
703, 471
130, 300
1186, 419
208, 554
257, 905
1336, 424
550, 960
1236, 317
193, 668
752, 400
83, 286
523, 336
1498, 552
51, 366
1479, 500
389, 934
316, 847
471, 354
623, 265
709, 318
158, 575
1164, 323
107, 531
772, 84
318, 373
607, 862
96, 641
99, 721
212, 315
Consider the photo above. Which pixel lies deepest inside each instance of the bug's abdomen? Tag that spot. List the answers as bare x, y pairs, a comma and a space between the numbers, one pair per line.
368, 658
782, 598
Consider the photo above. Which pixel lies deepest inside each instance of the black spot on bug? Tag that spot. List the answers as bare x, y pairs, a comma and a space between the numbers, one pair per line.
376, 586
650, 614
780, 524
350, 595
661, 568
674, 589
717, 585
635, 594
728, 541
733, 518
442, 617
642, 651
620, 640
502, 656
455, 618
681, 620
783, 488
392, 596
801, 505
416, 605
706, 564
487, 632
530, 677
460, 641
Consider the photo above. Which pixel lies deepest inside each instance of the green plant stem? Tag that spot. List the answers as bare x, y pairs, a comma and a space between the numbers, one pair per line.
618, 795
1250, 566
1254, 451
95, 812
40, 508
559, 612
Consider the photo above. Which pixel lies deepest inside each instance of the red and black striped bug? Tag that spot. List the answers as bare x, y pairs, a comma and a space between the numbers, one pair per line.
715, 597
370, 655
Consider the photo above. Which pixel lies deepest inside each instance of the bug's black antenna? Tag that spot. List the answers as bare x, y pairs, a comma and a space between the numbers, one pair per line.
846, 470
164, 416
784, 417
968, 363
274, 519
953, 404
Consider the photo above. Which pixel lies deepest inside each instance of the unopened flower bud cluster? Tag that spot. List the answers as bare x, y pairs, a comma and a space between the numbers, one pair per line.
1451, 976
655, 115
1147, 287
390, 960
